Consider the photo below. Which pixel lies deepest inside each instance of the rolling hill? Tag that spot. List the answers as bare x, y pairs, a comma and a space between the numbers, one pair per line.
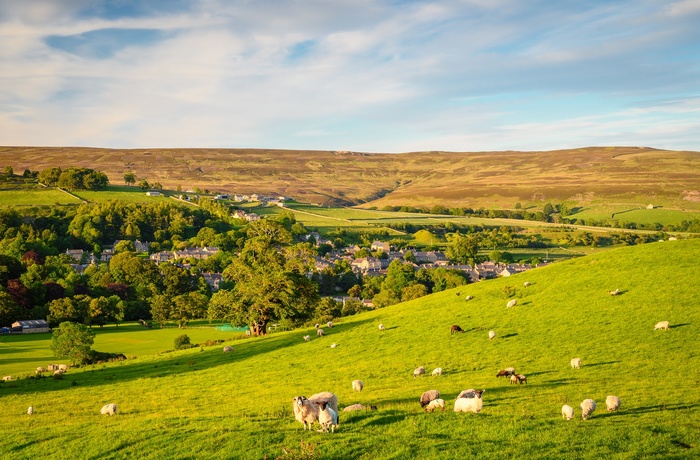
202, 403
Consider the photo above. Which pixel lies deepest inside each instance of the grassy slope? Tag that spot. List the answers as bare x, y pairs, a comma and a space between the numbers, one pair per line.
210, 404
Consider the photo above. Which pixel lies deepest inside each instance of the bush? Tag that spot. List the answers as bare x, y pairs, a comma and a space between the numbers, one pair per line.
182, 342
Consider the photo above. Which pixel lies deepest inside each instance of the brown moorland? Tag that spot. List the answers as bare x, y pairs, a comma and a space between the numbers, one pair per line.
491, 179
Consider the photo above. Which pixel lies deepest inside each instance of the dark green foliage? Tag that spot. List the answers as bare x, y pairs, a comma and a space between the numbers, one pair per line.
72, 341
182, 342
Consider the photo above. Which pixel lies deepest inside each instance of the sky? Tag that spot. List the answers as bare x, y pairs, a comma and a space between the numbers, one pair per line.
359, 75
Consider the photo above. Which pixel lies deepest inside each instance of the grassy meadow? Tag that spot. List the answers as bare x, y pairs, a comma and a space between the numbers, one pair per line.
202, 403
36, 197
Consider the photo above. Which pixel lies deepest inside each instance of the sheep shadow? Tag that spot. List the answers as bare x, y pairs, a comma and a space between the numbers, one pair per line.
391, 328
606, 363
387, 420
507, 336
658, 408
532, 374
679, 325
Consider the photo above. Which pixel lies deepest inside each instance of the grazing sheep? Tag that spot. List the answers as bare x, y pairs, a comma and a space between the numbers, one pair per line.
327, 417
329, 324
518, 378
305, 411
306, 338
40, 369
437, 371
328, 397
62, 367
434, 404
30, 411
317, 325
587, 408
612, 402
470, 404
53, 367
7, 378
527, 284
513, 379
357, 385
109, 409
458, 293
228, 349
661, 325
59, 372
492, 335
615, 292
418, 371
354, 407
507, 372
512, 303
381, 327
428, 396
333, 345
470, 393
567, 412
468, 298
455, 329
320, 332
576, 363
372, 407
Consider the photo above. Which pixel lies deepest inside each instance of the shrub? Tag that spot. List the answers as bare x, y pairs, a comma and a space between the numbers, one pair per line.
182, 342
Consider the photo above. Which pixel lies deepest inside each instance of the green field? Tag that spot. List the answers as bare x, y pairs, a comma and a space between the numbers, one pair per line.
208, 404
125, 194
36, 197
637, 214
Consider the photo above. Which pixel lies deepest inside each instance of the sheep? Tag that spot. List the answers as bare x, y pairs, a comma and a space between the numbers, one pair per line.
428, 396
612, 403
468, 298
329, 324
458, 293
513, 379
305, 411
507, 372
357, 385
518, 378
53, 367
62, 367
615, 292
7, 378
327, 417
587, 408
418, 371
228, 349
333, 345
567, 412
328, 397
320, 332
527, 284
512, 303
434, 404
661, 325
576, 363
381, 327
455, 329
109, 409
437, 371
492, 335
30, 411
40, 370
306, 338
354, 407
59, 372
470, 404
317, 325
470, 393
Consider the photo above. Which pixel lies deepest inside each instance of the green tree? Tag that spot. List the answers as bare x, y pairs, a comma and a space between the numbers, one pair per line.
463, 248
161, 308
124, 246
129, 178
548, 209
413, 291
9, 310
144, 185
73, 341
9, 171
189, 306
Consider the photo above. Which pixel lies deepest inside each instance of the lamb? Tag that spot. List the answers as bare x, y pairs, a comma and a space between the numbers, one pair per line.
418, 371
434, 404
109, 409
30, 411
354, 407
612, 403
357, 385
228, 349
470, 404
507, 372
567, 412
527, 284
661, 325
381, 327
329, 324
587, 408
455, 329
615, 292
468, 298
492, 335
333, 345
327, 417
437, 371
428, 396
518, 378
306, 338
576, 363
512, 303
317, 325
320, 332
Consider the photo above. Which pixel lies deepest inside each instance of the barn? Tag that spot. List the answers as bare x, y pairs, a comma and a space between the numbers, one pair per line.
30, 325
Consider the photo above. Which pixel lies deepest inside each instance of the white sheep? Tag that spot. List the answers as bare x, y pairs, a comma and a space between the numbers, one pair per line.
437, 371
470, 393
40, 369
109, 409
7, 378
30, 411
62, 367
587, 408
381, 327
228, 349
320, 332
317, 325
305, 411
435, 404
306, 338
612, 403
470, 404
508, 371
354, 407
512, 303
527, 284
327, 396
419, 371
327, 417
329, 324
53, 367
492, 335
468, 298
661, 325
333, 345
567, 412
615, 292
428, 396
357, 385
518, 378
576, 363
59, 372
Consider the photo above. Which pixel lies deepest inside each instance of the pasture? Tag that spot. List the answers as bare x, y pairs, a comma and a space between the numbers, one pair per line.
36, 197
209, 404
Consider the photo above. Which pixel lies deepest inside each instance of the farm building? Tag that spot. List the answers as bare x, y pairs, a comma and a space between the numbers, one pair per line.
31, 325
153, 193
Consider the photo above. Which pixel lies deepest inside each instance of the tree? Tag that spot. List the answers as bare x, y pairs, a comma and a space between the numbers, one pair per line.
9, 310
463, 248
189, 306
9, 171
129, 178
73, 341
548, 209
161, 308
143, 185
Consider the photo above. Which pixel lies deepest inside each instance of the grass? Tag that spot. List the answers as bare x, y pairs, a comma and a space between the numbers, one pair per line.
35, 197
125, 194
207, 404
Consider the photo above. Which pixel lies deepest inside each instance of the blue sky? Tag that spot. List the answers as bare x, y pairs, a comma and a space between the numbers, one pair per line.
363, 75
